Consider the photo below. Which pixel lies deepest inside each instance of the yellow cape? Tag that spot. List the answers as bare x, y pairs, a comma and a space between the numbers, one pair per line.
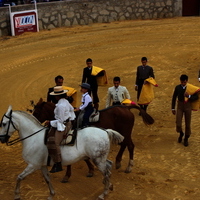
191, 89
147, 94
101, 80
127, 101
71, 93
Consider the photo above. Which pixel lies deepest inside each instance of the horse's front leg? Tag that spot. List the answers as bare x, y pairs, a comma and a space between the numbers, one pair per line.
28, 170
48, 181
90, 167
67, 174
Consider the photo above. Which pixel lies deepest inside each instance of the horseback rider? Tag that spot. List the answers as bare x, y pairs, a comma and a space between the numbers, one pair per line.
63, 114
86, 105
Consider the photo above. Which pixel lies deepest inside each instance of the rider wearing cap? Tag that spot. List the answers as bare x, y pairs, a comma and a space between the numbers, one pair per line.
86, 105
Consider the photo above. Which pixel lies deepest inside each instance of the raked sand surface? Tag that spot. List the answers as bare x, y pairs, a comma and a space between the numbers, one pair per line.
163, 169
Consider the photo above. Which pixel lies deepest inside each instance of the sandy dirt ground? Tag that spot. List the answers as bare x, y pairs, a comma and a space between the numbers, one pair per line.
163, 169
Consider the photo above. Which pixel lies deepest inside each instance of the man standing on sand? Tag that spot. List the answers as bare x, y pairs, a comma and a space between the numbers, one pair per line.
144, 71
116, 94
90, 76
184, 107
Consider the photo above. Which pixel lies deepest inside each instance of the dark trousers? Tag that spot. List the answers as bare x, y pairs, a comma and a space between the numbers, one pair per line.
186, 110
88, 111
140, 85
54, 139
144, 107
94, 94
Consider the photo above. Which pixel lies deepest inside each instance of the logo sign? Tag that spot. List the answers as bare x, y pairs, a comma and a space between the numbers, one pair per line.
25, 21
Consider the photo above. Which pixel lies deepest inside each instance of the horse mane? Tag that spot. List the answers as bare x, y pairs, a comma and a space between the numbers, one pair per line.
29, 116
108, 108
147, 119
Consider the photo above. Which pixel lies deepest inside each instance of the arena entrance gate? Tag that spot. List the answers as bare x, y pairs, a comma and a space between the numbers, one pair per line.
191, 8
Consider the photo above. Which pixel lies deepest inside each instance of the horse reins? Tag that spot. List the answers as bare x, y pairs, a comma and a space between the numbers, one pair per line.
17, 139
10, 122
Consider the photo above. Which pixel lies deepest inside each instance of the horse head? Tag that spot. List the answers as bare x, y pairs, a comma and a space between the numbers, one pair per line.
44, 111
7, 126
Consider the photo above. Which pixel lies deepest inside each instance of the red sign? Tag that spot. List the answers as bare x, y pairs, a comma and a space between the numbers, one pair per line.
25, 22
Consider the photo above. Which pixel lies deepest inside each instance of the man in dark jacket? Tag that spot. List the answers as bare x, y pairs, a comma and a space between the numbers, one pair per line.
90, 79
183, 108
59, 82
144, 71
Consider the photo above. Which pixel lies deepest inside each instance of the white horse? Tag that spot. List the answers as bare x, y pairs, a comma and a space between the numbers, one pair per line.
93, 143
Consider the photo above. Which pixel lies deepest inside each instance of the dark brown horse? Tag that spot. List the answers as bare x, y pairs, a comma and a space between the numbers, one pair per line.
118, 118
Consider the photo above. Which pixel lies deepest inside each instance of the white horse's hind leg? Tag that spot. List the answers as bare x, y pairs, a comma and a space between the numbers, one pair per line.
28, 170
48, 181
105, 167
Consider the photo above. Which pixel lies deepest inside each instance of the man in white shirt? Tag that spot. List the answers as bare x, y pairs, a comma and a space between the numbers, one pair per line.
117, 93
63, 114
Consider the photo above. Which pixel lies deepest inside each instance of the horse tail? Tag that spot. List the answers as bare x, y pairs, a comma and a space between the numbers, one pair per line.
147, 119
114, 136
108, 167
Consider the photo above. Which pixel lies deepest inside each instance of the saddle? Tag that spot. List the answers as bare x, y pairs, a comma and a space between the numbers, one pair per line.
94, 117
70, 138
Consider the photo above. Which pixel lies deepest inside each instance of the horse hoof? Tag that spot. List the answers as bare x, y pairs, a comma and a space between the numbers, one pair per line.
90, 175
111, 187
118, 165
64, 181
100, 198
17, 197
128, 170
50, 198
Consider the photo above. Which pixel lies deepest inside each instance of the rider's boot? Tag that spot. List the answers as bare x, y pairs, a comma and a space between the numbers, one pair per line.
96, 106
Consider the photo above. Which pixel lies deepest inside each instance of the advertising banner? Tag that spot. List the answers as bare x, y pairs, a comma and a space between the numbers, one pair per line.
25, 21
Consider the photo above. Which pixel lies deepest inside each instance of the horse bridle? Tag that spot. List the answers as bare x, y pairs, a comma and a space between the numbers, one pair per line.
9, 143
9, 123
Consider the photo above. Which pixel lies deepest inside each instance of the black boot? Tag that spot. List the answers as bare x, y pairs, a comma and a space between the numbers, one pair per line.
186, 140
53, 168
96, 106
180, 137
48, 161
57, 167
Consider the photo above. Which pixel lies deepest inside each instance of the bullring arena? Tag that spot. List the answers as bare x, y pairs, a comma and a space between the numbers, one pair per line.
163, 169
